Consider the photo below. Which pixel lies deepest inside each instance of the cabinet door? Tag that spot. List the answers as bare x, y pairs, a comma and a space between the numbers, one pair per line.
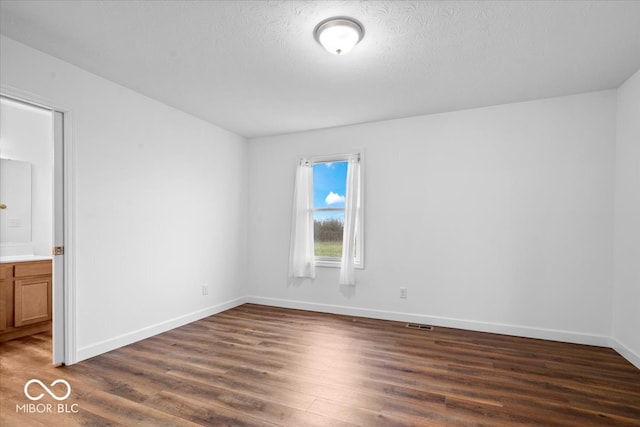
6, 296
32, 299
4, 287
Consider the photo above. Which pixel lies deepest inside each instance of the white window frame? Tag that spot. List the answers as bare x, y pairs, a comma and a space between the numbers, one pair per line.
334, 262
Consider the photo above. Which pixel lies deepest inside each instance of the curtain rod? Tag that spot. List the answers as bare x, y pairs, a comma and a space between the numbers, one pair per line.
329, 158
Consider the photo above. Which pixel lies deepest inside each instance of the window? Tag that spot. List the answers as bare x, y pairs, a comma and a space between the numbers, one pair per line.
329, 189
327, 206
329, 200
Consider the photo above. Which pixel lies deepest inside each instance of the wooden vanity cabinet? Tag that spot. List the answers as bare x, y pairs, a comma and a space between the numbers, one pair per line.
25, 299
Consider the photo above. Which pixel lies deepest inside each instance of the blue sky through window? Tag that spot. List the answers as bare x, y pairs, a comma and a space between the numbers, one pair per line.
329, 188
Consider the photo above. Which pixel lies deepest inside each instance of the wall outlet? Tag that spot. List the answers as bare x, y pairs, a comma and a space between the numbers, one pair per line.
403, 292
205, 289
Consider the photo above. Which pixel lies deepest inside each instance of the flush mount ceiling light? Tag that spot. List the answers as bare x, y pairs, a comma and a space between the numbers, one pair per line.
339, 35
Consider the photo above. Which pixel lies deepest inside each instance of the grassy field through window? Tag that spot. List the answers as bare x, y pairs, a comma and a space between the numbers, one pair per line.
328, 249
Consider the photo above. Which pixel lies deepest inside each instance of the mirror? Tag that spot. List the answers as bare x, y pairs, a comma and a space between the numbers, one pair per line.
15, 201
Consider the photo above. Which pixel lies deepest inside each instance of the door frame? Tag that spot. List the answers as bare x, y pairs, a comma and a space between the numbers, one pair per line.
64, 306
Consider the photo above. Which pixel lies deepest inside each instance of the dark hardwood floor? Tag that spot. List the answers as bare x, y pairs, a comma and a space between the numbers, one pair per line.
263, 366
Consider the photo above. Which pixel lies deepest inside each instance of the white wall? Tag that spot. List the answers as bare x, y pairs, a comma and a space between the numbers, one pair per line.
27, 135
495, 219
161, 201
626, 296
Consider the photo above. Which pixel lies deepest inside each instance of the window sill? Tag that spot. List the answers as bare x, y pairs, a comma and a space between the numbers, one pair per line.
327, 263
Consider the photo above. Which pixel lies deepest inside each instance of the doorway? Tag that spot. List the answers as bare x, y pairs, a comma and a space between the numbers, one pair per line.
33, 135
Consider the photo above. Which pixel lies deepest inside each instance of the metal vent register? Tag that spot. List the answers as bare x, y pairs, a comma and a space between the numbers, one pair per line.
421, 327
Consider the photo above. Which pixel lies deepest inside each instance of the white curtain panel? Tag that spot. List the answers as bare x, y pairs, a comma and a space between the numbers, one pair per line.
302, 257
351, 214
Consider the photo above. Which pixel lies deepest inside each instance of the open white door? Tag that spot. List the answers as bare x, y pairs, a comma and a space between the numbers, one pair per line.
58, 241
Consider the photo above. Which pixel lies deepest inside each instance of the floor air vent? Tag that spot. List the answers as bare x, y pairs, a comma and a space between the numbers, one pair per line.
421, 327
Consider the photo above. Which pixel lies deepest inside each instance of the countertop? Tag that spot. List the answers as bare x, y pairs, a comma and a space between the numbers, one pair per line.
24, 258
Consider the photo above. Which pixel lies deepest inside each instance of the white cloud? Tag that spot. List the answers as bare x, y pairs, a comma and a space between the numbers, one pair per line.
333, 198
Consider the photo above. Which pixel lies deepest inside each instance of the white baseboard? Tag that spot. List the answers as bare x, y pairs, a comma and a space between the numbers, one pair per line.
149, 331
625, 352
497, 328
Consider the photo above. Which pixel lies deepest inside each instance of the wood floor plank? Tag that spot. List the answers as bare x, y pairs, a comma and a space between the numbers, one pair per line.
265, 366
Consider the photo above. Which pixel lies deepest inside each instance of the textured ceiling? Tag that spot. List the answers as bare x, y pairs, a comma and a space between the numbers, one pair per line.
253, 67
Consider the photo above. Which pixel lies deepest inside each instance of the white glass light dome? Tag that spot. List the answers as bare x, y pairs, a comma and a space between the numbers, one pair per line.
339, 35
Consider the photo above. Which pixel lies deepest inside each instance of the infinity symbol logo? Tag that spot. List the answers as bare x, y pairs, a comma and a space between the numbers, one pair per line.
45, 388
